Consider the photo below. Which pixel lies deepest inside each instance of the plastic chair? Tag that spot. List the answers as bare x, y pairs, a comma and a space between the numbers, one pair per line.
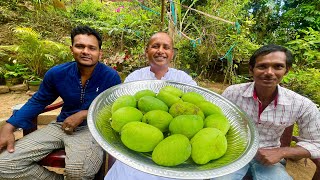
57, 157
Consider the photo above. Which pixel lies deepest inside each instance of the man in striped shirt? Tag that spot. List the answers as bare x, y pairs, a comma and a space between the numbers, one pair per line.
273, 108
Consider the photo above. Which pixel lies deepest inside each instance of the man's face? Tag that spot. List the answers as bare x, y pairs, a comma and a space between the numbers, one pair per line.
85, 50
160, 50
269, 70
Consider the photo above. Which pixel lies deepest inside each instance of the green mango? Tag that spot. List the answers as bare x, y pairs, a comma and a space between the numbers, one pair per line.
172, 90
124, 101
208, 108
145, 92
168, 98
124, 115
192, 97
185, 108
187, 125
140, 137
218, 121
208, 144
158, 118
149, 103
172, 151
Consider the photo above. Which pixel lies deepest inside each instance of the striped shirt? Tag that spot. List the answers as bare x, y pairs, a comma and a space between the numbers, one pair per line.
171, 75
271, 122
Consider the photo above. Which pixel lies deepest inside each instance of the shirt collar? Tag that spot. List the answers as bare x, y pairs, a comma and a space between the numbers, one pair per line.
275, 100
95, 71
154, 75
281, 97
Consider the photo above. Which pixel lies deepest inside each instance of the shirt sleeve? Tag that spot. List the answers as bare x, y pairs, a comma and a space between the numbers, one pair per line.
35, 105
227, 93
190, 81
129, 78
181, 76
309, 130
115, 80
137, 75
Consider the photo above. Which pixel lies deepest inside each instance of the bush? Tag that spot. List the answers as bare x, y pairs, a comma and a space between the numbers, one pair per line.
305, 82
39, 54
305, 48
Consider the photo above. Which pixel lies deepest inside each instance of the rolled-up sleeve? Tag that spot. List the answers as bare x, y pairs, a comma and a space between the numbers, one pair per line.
309, 130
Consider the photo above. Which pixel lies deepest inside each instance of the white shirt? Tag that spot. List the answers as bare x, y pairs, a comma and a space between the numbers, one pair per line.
171, 75
289, 108
121, 171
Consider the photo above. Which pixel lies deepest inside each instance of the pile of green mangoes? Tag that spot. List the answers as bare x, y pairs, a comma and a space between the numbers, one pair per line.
173, 125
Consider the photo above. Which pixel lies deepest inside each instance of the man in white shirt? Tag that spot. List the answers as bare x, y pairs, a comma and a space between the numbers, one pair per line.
159, 52
273, 108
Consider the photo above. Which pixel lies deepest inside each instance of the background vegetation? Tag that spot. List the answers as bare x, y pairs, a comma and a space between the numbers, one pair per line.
213, 39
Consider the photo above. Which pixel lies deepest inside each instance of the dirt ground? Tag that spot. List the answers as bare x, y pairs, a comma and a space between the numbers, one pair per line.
298, 170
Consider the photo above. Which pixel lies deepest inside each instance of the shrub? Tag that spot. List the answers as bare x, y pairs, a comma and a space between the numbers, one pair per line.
305, 82
37, 54
305, 48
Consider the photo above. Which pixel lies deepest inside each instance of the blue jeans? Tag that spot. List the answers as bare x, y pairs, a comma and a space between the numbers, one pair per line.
260, 172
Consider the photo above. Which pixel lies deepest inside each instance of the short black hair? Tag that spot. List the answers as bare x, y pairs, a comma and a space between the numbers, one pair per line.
267, 49
86, 30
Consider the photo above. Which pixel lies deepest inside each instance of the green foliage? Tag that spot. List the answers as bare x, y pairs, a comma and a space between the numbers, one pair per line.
37, 54
295, 133
280, 20
295, 130
306, 48
202, 40
2, 79
16, 70
214, 38
7, 9
302, 14
241, 79
186, 57
305, 82
125, 26
267, 13
88, 9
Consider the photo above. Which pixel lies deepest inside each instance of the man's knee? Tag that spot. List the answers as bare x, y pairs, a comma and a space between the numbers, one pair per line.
81, 171
6, 164
276, 171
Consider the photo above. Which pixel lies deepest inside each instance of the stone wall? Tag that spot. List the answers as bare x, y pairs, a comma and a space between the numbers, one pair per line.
20, 88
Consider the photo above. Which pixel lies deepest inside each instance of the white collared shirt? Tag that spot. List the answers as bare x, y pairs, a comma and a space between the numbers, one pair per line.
121, 171
290, 108
171, 75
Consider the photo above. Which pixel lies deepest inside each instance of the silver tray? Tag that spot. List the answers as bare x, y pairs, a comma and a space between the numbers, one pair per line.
242, 136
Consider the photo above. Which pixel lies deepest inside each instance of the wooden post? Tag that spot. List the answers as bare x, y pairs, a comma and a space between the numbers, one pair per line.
162, 14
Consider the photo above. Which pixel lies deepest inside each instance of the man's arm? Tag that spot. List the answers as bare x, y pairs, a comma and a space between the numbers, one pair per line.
309, 128
36, 104
23, 118
275, 155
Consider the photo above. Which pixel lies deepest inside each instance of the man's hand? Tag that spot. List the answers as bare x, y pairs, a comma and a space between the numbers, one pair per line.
272, 156
7, 137
269, 156
73, 121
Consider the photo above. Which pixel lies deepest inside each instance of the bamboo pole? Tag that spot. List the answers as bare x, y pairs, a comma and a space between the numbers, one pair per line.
162, 14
